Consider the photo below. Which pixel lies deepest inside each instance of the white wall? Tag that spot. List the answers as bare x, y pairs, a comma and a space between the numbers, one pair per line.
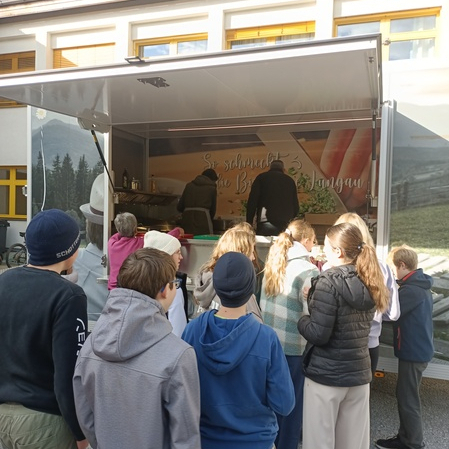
13, 132
348, 8
13, 151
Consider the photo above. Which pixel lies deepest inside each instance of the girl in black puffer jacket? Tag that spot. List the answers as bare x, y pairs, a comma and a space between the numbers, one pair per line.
342, 301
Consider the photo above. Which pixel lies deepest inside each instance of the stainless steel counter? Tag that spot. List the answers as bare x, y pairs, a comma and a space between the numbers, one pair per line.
196, 252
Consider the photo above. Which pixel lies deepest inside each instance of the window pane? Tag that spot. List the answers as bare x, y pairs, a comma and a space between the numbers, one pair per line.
4, 173
413, 24
249, 43
21, 173
294, 38
188, 47
356, 29
4, 200
149, 51
21, 201
413, 49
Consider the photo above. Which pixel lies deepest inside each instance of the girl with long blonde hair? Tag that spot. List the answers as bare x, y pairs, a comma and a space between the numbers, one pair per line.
394, 310
239, 239
337, 366
287, 269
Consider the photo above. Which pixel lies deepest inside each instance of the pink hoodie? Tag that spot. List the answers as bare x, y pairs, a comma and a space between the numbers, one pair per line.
119, 248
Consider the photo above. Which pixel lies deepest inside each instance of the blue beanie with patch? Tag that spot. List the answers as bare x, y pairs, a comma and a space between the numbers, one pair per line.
51, 237
234, 279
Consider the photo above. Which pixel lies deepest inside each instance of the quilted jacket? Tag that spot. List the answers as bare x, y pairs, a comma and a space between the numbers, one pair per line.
341, 310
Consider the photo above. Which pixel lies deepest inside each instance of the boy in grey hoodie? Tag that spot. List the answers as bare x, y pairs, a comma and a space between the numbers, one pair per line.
136, 383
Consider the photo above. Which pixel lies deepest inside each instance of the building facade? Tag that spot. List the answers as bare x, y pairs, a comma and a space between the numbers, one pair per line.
53, 35
50, 35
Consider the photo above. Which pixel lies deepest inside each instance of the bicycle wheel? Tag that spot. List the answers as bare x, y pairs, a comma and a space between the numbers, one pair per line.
16, 255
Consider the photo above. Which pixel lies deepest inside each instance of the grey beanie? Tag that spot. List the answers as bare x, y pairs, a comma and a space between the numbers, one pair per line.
234, 279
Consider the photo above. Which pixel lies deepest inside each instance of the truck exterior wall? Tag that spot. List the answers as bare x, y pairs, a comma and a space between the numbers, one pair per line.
422, 98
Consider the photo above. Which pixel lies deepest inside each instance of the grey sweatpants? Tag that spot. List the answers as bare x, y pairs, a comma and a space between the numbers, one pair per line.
409, 403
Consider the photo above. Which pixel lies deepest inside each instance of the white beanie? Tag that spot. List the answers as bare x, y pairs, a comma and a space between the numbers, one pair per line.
161, 241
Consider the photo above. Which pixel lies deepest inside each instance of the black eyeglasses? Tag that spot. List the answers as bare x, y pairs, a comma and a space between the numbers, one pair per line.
175, 282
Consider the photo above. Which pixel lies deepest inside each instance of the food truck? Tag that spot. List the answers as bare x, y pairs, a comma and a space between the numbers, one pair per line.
320, 106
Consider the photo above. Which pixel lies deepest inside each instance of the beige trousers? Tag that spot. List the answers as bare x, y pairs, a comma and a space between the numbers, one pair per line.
21, 427
335, 417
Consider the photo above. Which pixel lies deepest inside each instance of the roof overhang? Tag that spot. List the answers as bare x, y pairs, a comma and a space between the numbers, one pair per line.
337, 80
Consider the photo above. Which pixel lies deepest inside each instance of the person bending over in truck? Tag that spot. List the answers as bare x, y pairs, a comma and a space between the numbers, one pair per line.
198, 203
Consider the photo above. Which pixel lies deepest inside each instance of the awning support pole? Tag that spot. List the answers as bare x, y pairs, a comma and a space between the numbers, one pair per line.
102, 157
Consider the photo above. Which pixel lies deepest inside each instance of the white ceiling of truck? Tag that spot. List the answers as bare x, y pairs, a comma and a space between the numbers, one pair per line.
292, 85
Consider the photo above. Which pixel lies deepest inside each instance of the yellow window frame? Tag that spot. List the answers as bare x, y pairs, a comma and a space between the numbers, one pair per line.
12, 183
16, 67
270, 32
385, 21
172, 41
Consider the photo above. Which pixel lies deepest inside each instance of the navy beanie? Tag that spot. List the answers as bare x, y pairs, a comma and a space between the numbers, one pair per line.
234, 279
51, 237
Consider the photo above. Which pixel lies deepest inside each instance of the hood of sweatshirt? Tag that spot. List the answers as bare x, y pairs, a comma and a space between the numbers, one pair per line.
417, 278
202, 180
346, 282
204, 291
226, 343
130, 323
298, 250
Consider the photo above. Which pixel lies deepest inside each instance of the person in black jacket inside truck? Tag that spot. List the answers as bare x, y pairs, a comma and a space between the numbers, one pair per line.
198, 203
273, 199
336, 361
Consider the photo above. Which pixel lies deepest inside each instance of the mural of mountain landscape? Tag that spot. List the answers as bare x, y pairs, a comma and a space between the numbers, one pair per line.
60, 137
65, 162
420, 170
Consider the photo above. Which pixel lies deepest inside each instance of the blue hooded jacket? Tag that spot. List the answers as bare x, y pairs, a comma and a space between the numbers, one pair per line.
413, 331
244, 379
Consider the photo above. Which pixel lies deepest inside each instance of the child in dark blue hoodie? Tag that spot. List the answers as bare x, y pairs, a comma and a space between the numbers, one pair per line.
244, 376
413, 346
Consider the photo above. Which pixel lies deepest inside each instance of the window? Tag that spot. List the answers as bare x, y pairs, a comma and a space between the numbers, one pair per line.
83, 56
171, 46
405, 35
270, 35
13, 203
15, 63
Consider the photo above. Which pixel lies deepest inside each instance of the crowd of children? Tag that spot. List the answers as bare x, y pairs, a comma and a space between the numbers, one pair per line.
294, 368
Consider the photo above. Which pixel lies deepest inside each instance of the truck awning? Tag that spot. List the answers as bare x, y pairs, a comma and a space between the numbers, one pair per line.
290, 85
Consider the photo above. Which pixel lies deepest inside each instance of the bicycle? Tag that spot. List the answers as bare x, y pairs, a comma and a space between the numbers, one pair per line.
17, 254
